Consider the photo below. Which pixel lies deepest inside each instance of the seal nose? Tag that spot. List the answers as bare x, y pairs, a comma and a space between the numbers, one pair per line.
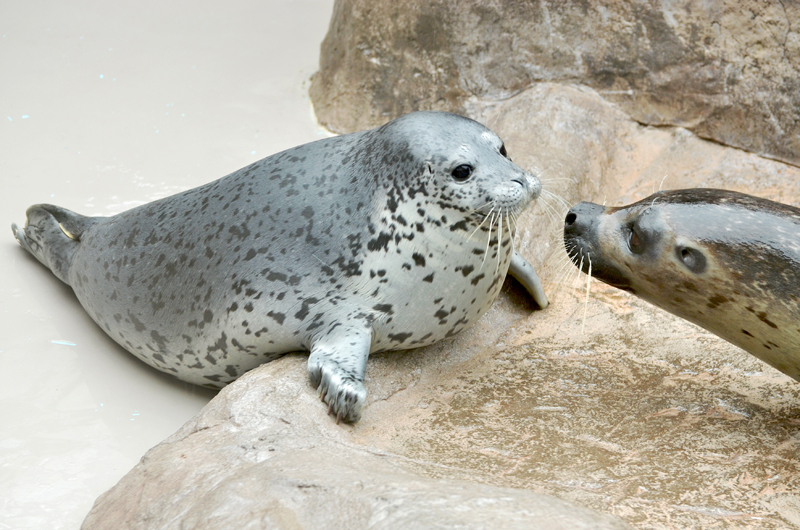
534, 184
582, 218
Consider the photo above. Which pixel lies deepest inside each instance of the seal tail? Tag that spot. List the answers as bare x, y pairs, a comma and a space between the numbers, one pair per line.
53, 235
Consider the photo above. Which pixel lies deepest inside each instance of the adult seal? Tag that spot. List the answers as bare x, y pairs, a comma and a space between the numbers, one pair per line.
727, 261
387, 239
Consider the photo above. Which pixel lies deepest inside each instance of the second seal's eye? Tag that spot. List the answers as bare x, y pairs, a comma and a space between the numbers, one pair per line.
694, 260
462, 172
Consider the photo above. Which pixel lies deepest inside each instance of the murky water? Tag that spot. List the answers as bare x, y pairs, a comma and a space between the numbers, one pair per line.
105, 106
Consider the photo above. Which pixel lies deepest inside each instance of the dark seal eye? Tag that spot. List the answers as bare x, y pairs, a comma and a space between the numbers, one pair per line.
503, 150
462, 172
694, 260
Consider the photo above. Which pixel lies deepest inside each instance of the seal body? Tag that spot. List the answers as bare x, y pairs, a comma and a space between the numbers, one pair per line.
727, 261
392, 238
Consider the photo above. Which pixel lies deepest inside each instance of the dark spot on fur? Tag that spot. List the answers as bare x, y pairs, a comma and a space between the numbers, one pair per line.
716, 300
399, 337
383, 308
762, 316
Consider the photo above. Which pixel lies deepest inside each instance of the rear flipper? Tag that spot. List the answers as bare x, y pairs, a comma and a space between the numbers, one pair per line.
53, 234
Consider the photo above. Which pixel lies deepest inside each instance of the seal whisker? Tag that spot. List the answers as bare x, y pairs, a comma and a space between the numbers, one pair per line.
515, 229
549, 210
558, 198
499, 243
488, 241
564, 273
580, 270
557, 212
564, 270
554, 179
493, 202
482, 222
661, 185
586, 301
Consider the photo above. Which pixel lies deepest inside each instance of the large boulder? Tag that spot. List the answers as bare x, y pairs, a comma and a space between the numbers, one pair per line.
264, 454
729, 71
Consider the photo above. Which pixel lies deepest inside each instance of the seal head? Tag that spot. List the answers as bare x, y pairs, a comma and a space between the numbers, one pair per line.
727, 261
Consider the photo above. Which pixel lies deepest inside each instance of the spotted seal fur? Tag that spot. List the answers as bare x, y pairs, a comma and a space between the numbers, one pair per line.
727, 261
387, 239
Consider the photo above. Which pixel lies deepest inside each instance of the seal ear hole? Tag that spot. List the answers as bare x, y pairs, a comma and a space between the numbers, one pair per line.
693, 259
462, 173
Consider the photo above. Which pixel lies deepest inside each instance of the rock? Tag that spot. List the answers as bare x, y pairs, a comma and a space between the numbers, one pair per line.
729, 71
264, 454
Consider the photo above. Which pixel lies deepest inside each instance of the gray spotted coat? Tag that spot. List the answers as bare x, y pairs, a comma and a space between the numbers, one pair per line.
387, 239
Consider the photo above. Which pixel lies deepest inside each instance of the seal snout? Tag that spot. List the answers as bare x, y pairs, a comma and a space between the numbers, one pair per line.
581, 220
580, 232
532, 183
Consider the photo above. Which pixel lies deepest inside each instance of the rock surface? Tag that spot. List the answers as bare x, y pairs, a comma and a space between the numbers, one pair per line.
728, 70
264, 454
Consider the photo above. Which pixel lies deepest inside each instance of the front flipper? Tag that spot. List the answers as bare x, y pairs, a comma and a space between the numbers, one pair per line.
523, 272
336, 368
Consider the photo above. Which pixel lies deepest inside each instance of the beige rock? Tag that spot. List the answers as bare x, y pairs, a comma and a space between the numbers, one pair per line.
728, 70
264, 454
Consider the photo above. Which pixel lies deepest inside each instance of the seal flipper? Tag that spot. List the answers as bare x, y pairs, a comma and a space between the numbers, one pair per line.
53, 234
524, 273
336, 367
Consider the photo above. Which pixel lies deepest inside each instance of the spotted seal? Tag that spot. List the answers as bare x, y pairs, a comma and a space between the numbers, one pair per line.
727, 261
387, 239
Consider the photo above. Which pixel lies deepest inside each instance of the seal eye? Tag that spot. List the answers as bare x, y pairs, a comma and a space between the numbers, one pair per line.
694, 260
503, 150
462, 172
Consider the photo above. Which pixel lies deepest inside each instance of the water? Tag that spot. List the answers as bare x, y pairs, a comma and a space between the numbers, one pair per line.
105, 106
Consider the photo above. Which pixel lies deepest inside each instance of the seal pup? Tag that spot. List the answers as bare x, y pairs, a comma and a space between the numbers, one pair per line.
726, 261
387, 239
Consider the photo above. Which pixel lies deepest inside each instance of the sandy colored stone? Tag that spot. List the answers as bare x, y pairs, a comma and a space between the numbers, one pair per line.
728, 71
264, 454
